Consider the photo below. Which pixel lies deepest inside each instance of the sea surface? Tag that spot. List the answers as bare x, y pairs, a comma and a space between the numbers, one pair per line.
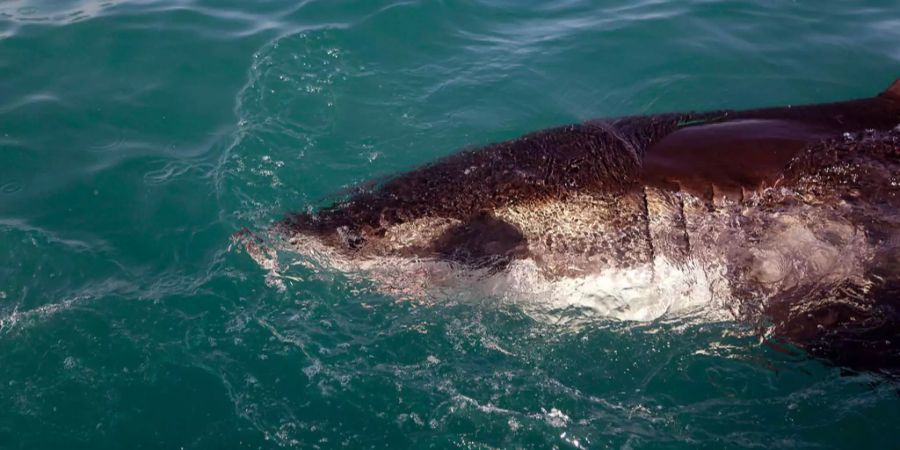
137, 136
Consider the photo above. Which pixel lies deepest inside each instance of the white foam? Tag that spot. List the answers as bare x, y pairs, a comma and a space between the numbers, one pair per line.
10, 320
640, 293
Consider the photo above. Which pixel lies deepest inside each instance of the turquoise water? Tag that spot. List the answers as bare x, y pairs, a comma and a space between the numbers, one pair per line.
136, 137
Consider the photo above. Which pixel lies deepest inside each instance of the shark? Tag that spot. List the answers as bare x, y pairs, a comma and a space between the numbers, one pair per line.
785, 217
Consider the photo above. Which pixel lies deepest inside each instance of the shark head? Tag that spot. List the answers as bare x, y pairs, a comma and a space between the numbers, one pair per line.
483, 208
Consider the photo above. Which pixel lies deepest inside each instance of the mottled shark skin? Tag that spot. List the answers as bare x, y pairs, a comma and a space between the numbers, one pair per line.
791, 215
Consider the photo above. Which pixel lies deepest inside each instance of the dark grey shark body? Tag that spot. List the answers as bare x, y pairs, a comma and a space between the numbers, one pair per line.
798, 207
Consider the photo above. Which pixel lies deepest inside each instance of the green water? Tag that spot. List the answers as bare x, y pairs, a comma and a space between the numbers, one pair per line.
136, 137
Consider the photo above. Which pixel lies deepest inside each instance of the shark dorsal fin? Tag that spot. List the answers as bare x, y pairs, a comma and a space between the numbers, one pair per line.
893, 91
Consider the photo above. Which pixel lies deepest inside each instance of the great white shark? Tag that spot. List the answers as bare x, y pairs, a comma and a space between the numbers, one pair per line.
788, 216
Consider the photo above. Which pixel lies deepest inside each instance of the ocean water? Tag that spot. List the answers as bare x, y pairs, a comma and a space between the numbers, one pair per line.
136, 137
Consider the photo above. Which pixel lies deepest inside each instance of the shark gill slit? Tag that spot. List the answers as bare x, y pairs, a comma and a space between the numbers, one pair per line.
687, 236
647, 227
